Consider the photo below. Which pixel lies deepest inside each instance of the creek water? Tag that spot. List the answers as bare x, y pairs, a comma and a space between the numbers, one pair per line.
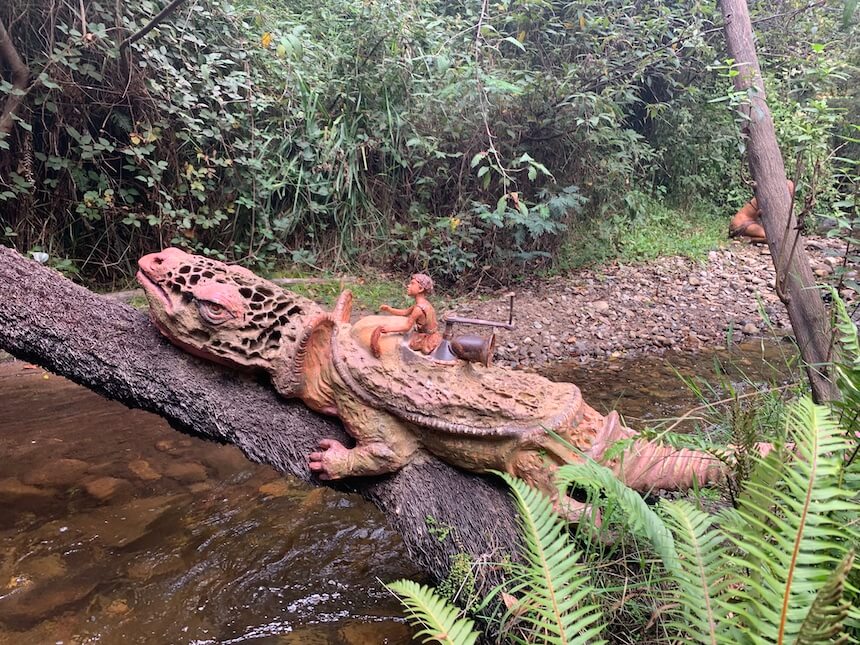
116, 529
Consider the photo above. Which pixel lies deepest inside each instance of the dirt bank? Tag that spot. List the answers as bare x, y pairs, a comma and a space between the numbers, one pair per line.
672, 303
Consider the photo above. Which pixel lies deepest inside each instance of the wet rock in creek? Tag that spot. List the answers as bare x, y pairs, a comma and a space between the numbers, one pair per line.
59, 473
186, 472
277, 488
355, 633
13, 489
105, 488
142, 470
26, 605
227, 460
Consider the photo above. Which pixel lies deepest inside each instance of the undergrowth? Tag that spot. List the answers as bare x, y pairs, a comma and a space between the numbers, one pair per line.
648, 229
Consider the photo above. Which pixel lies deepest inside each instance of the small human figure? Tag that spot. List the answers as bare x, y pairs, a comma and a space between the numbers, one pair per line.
747, 221
420, 317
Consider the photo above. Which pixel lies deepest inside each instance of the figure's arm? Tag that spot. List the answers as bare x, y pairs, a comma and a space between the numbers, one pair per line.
397, 312
397, 326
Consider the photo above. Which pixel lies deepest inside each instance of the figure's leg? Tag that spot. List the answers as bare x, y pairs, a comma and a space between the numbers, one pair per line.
383, 445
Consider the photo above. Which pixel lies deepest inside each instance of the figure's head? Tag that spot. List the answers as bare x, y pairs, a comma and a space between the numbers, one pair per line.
220, 312
420, 283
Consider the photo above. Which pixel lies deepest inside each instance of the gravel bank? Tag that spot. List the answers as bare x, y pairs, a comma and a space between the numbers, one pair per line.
671, 303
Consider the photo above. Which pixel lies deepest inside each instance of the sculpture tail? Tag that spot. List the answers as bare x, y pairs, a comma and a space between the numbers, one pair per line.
646, 465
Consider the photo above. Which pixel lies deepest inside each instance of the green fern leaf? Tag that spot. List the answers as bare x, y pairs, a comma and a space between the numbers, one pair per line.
440, 619
700, 578
849, 342
637, 515
823, 623
790, 543
554, 589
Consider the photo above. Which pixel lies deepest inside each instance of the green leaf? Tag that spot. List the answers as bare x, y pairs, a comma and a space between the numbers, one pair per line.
791, 535
555, 588
440, 619
636, 515
848, 13
823, 623
515, 42
700, 577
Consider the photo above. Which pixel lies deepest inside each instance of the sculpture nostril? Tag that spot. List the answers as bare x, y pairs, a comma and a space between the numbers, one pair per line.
157, 260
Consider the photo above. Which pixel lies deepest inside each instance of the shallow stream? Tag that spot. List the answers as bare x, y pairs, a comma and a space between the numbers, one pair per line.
116, 529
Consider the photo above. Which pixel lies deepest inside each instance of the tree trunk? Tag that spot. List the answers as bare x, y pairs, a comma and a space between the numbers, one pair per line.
113, 349
20, 76
795, 284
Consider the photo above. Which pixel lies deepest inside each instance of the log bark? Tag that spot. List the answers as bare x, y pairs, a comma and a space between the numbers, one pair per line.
795, 282
114, 350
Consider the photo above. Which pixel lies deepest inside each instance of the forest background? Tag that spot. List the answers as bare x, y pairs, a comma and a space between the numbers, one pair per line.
459, 138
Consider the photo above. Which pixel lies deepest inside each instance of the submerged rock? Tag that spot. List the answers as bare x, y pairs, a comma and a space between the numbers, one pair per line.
58, 473
142, 470
105, 488
187, 472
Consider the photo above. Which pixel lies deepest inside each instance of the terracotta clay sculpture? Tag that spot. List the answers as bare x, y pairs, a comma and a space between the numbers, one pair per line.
420, 319
747, 221
398, 404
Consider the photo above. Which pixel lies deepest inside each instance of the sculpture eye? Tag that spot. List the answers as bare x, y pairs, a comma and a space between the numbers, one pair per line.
213, 312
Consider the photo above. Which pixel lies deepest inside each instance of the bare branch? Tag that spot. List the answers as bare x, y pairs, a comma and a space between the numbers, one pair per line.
151, 24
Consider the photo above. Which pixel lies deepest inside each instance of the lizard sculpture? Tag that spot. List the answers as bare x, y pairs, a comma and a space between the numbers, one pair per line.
401, 404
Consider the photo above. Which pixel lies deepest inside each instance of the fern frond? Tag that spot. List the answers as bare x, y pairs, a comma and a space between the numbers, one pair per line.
847, 367
554, 589
637, 516
849, 342
700, 578
791, 537
440, 619
823, 623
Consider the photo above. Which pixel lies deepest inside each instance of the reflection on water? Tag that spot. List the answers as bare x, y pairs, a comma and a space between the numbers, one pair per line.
649, 388
116, 529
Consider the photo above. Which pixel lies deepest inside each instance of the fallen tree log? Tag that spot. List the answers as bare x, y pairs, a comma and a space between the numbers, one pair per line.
113, 349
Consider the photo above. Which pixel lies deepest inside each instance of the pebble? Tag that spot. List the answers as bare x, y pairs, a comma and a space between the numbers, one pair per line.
13, 489
600, 306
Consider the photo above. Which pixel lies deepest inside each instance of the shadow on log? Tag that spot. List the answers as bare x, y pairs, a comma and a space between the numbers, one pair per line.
114, 350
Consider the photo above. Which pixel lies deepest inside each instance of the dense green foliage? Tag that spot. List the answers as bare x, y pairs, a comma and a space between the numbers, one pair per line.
451, 136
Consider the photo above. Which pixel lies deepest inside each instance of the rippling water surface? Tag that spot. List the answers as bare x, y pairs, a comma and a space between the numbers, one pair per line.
116, 529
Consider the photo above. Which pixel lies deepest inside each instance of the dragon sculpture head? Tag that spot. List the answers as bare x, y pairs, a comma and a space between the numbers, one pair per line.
220, 312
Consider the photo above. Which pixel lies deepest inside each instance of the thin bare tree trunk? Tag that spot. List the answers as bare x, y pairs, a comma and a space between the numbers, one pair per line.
795, 284
20, 80
115, 350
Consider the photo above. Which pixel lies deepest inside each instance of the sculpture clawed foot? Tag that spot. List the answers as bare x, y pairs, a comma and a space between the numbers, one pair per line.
332, 462
336, 461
